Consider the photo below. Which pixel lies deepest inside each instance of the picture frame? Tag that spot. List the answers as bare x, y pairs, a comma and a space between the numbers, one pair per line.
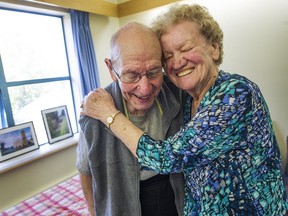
57, 123
17, 140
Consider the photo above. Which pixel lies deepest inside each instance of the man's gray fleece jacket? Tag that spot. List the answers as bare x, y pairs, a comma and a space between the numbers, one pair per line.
115, 170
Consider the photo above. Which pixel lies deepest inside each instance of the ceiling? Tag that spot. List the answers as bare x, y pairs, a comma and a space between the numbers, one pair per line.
113, 8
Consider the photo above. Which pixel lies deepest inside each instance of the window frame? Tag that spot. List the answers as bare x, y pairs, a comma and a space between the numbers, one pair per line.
72, 62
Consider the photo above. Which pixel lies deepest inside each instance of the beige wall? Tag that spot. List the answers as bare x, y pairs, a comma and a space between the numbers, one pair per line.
102, 28
28, 180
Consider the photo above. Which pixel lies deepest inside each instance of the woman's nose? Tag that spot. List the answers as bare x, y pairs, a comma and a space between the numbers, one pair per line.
178, 62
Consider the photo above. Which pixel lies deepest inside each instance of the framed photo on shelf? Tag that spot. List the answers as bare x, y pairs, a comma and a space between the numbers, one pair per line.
57, 123
17, 140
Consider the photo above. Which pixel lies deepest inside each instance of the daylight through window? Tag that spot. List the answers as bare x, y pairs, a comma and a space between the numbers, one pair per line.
34, 69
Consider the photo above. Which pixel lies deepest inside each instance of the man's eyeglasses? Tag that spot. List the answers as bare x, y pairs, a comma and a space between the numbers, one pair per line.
133, 77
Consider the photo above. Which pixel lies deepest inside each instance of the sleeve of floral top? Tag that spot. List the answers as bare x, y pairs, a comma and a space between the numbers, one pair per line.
224, 120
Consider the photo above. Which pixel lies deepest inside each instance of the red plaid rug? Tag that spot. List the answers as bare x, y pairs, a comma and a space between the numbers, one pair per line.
65, 199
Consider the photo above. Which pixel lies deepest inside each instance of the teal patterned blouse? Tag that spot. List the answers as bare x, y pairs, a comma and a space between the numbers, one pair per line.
228, 153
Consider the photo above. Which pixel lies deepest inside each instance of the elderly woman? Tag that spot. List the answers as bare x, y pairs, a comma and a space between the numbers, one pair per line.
227, 148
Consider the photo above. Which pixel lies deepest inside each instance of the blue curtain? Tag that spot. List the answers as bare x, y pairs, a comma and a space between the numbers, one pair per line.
85, 51
3, 122
2, 112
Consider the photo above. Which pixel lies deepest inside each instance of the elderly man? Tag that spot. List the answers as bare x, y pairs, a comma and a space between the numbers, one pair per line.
120, 188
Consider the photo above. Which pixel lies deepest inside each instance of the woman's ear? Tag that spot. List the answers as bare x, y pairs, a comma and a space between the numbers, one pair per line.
215, 51
109, 66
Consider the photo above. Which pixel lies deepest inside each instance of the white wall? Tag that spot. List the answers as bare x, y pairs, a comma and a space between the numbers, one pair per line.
255, 45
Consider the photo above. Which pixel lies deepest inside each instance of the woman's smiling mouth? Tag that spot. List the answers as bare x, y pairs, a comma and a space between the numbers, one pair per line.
185, 72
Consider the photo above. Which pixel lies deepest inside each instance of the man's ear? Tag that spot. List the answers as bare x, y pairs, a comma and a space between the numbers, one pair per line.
109, 66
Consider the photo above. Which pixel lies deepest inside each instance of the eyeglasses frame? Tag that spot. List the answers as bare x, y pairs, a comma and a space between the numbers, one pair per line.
119, 77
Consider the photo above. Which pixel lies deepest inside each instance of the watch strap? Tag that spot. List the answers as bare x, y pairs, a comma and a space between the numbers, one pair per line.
111, 118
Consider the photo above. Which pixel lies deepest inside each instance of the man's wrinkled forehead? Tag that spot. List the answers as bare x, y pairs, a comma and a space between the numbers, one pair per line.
136, 48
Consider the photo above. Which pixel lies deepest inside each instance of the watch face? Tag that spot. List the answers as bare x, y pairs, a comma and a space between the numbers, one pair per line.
110, 119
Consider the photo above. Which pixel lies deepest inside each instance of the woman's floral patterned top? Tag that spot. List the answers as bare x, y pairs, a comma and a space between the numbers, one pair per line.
227, 151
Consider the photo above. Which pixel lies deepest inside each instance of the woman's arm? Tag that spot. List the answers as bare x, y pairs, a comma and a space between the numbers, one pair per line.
221, 118
100, 105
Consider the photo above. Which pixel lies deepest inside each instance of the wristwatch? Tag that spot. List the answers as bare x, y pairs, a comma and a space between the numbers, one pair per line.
111, 118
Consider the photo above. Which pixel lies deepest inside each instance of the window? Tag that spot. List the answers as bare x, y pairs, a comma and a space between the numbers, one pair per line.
35, 68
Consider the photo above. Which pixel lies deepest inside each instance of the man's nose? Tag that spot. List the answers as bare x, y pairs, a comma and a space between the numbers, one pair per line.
144, 85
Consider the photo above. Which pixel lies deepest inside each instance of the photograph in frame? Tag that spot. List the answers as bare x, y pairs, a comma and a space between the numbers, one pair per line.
17, 140
57, 123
